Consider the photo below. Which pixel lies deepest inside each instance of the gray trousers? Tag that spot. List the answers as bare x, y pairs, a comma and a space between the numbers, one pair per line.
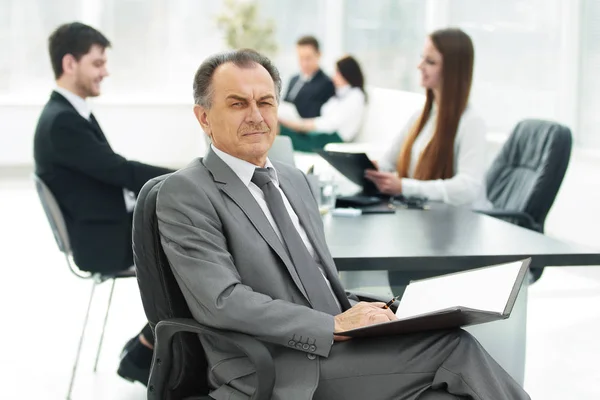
433, 366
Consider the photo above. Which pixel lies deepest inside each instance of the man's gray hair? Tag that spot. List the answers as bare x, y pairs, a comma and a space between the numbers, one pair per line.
244, 58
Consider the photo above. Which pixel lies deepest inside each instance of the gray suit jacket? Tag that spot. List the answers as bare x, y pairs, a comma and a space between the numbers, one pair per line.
236, 275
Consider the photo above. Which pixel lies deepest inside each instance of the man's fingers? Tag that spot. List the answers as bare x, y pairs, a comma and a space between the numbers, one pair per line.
390, 314
379, 318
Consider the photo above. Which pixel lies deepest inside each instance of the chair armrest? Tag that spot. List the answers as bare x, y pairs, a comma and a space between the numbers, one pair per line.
253, 348
369, 297
519, 216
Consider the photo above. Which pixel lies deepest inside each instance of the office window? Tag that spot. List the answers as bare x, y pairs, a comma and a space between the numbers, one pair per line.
589, 83
294, 19
157, 45
24, 27
517, 57
387, 38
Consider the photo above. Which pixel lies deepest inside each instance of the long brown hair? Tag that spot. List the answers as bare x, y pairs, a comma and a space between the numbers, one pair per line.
437, 159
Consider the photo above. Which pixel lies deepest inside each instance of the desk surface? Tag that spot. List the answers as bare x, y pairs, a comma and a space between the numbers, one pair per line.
444, 238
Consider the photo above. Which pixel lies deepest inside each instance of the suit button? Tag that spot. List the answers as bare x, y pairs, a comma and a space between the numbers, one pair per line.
299, 346
312, 348
311, 356
292, 343
305, 346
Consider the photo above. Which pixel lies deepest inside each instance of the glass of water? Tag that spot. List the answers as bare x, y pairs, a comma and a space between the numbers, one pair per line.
327, 194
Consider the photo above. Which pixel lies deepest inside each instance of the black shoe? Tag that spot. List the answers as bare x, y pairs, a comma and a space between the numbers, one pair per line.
131, 372
128, 346
136, 360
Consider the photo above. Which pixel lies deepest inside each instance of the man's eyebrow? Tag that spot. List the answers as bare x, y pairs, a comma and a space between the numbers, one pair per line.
267, 97
236, 97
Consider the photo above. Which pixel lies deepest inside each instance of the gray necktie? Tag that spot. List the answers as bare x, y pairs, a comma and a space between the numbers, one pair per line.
313, 281
295, 89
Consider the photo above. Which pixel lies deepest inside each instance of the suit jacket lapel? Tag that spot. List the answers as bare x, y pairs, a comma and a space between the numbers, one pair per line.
96, 126
92, 121
233, 187
311, 227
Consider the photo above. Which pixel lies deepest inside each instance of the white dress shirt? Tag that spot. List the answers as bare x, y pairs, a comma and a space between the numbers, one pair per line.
79, 103
83, 108
245, 170
343, 113
466, 186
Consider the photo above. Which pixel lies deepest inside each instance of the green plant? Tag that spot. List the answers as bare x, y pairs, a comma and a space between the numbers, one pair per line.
243, 28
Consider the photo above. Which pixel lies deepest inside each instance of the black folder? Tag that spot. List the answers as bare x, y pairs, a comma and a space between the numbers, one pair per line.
353, 166
448, 318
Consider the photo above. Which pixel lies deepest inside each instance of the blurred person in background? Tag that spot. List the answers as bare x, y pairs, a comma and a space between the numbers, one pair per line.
310, 89
440, 153
94, 186
341, 116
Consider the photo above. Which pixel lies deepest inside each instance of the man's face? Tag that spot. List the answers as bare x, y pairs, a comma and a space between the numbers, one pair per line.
242, 119
89, 71
308, 58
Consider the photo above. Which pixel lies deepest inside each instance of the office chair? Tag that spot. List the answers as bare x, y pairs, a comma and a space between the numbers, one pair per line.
525, 177
282, 150
61, 236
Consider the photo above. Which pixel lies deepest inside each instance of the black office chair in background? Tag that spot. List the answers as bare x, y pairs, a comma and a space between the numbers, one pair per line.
524, 179
61, 236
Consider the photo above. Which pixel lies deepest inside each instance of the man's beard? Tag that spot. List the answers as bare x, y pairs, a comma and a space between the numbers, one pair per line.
85, 88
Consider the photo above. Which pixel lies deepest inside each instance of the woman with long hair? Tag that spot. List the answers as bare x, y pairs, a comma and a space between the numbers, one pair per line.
440, 153
341, 116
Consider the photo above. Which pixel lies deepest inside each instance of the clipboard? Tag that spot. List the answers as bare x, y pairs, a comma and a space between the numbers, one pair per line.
455, 316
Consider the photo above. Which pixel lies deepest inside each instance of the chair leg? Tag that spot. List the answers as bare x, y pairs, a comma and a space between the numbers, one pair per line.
112, 289
85, 321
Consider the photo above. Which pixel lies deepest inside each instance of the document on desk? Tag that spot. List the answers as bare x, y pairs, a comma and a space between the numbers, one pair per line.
454, 300
288, 111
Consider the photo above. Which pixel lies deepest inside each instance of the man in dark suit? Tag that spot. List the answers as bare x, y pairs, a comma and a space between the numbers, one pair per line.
310, 89
94, 186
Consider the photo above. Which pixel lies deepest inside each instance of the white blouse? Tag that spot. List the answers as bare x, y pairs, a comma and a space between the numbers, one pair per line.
342, 113
466, 186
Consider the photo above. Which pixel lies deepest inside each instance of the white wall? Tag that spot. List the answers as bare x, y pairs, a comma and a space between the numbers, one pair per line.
162, 134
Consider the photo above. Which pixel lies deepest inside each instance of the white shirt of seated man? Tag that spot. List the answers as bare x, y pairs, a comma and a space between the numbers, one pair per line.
239, 114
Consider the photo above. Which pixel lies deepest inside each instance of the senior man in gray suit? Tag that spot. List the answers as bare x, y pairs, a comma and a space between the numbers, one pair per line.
246, 244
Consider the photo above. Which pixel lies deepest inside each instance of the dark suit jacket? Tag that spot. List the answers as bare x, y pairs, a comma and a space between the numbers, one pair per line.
313, 94
73, 157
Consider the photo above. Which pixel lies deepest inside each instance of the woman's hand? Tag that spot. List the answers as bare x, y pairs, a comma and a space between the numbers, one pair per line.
386, 182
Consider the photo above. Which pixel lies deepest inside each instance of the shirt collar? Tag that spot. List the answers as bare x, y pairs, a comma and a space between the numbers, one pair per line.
342, 91
307, 78
80, 105
243, 169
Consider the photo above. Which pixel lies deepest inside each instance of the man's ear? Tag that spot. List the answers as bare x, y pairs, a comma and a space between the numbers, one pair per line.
201, 114
68, 63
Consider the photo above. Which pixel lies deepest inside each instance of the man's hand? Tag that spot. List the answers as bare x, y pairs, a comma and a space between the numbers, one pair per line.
362, 314
386, 182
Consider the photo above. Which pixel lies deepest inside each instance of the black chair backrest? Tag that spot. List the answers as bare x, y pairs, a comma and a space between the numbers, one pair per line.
528, 171
162, 298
